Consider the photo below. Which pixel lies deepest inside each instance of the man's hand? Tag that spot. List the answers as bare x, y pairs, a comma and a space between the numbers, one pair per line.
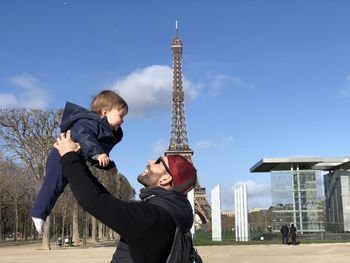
64, 144
103, 160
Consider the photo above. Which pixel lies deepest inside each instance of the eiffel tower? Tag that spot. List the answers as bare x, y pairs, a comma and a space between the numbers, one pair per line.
178, 133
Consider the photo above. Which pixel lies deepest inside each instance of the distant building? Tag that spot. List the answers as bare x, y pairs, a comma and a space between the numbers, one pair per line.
260, 219
228, 213
227, 220
255, 209
337, 199
296, 190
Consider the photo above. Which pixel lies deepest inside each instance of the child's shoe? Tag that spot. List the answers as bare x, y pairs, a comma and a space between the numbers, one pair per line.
39, 224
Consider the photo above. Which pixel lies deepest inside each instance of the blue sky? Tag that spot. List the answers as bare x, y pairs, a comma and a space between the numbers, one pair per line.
262, 78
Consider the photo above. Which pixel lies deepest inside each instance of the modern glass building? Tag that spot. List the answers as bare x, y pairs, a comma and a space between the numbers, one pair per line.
297, 193
297, 198
337, 198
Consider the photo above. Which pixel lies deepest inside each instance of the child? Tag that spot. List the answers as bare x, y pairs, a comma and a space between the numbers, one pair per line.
97, 131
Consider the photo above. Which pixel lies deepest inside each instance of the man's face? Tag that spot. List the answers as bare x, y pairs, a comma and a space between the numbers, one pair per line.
150, 177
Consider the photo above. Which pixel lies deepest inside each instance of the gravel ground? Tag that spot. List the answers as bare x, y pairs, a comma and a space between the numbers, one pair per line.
304, 253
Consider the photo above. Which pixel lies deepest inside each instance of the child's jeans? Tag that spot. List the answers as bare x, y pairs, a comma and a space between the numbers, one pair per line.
52, 188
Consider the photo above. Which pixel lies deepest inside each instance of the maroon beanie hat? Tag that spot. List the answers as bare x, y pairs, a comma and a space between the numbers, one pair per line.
183, 172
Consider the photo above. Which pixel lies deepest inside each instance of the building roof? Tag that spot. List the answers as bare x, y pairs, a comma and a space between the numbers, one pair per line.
304, 163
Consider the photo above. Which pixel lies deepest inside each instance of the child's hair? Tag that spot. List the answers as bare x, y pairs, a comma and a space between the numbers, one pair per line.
108, 99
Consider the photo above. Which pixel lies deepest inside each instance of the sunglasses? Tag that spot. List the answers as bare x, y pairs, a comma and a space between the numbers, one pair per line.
161, 160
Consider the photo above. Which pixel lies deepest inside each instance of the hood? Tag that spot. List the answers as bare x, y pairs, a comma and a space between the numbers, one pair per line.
172, 201
73, 113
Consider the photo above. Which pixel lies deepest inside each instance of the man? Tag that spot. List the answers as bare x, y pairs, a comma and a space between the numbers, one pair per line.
146, 228
285, 233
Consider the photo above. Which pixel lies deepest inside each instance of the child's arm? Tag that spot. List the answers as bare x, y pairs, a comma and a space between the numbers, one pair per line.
103, 159
85, 133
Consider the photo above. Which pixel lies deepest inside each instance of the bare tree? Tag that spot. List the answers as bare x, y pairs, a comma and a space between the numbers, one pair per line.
64, 204
28, 134
19, 185
121, 187
76, 235
16, 188
4, 196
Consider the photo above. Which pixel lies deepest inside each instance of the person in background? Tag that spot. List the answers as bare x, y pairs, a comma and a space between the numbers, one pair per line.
285, 233
293, 233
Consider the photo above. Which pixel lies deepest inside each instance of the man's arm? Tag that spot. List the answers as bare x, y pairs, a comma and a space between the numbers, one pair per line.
129, 219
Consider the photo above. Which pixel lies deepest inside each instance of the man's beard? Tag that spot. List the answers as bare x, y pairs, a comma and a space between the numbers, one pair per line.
148, 179
144, 178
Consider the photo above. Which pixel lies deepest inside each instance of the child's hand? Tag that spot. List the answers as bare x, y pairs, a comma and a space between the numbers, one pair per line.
103, 159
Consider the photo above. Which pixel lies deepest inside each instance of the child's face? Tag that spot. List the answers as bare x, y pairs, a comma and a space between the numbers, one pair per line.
115, 117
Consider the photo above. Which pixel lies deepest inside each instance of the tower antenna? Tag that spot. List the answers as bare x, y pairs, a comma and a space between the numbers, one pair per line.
176, 27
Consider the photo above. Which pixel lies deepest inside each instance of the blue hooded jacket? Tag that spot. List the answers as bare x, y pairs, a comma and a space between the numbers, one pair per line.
91, 131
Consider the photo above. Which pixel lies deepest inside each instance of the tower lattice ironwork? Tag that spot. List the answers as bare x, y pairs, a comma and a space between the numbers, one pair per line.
178, 133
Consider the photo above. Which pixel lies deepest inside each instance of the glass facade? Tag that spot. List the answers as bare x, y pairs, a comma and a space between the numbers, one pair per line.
337, 192
297, 197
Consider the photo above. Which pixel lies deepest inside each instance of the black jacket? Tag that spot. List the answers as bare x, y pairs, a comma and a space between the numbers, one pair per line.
293, 231
147, 228
284, 230
93, 133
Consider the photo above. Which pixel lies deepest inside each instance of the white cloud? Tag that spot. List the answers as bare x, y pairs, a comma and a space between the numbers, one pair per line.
159, 148
254, 189
226, 140
202, 145
207, 144
259, 195
28, 93
150, 88
7, 100
227, 198
345, 91
220, 81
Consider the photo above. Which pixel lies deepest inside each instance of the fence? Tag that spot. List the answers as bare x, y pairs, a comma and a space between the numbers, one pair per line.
266, 234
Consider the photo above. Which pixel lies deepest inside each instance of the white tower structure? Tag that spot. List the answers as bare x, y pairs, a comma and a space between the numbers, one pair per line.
216, 213
241, 213
190, 197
